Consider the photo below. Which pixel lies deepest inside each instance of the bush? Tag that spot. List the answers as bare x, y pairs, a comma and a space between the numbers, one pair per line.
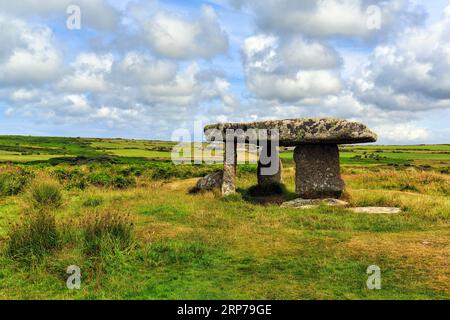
13, 181
45, 195
72, 178
105, 232
165, 171
122, 182
32, 238
99, 179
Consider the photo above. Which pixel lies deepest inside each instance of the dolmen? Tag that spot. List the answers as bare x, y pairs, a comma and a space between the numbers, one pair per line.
316, 152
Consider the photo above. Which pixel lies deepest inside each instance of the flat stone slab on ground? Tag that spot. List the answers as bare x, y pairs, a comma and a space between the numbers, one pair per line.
293, 132
376, 210
300, 203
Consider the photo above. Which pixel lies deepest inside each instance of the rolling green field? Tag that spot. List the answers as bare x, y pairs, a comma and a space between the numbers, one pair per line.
125, 214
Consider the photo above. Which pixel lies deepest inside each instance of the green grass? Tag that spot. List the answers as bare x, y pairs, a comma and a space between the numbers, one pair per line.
140, 153
169, 244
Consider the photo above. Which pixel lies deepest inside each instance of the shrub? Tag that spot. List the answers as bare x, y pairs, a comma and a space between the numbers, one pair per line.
72, 178
122, 182
45, 195
99, 179
105, 232
107, 180
33, 237
13, 181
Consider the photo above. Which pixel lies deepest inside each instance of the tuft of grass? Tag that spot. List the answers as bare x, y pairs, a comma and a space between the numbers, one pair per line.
45, 194
106, 232
33, 237
93, 201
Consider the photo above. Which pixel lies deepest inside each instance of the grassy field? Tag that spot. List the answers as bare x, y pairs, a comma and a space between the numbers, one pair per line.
123, 213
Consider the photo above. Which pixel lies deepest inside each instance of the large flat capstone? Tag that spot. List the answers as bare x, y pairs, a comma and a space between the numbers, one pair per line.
293, 132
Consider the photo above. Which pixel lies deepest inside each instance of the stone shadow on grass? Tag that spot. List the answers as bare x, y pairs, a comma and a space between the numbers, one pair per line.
274, 193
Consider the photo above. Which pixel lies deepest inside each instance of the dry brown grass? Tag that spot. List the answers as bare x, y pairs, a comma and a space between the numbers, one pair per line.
425, 254
423, 182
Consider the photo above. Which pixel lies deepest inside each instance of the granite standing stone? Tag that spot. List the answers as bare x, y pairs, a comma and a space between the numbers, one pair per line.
317, 171
229, 168
267, 153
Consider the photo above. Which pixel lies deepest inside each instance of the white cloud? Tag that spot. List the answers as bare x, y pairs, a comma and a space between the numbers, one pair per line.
23, 95
331, 17
98, 14
411, 74
30, 56
88, 73
136, 68
287, 71
175, 36
405, 132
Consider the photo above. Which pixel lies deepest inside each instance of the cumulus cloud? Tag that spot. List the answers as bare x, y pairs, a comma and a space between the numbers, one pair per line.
332, 17
129, 91
97, 14
404, 132
174, 36
413, 73
287, 71
28, 54
88, 73
136, 68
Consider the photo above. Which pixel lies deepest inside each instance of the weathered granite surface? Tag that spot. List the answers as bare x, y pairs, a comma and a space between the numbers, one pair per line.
211, 181
294, 132
376, 210
300, 203
229, 169
265, 164
264, 180
317, 171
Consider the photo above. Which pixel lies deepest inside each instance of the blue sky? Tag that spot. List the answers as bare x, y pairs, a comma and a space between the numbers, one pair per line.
143, 69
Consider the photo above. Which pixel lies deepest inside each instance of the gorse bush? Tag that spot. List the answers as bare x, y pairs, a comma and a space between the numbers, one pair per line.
45, 195
122, 182
108, 176
165, 171
33, 237
102, 179
13, 181
105, 232
71, 178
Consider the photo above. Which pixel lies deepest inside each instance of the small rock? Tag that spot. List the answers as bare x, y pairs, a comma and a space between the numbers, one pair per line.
376, 210
300, 203
211, 181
